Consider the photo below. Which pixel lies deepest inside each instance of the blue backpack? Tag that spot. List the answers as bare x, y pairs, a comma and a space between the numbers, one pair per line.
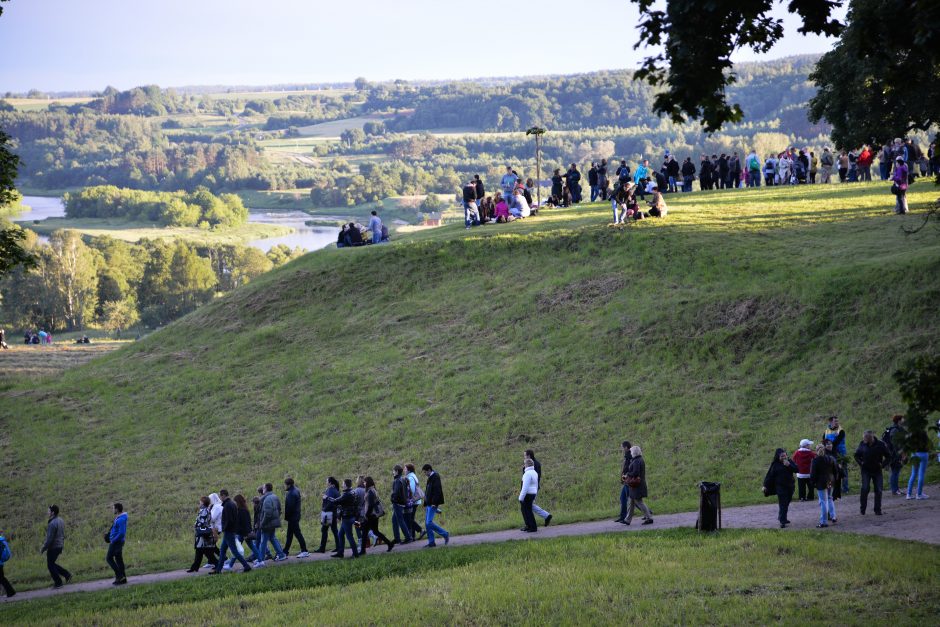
5, 553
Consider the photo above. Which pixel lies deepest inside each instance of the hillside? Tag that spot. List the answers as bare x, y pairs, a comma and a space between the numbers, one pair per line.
708, 338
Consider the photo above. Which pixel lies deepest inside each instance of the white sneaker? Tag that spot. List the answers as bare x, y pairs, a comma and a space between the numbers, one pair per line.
280, 558
921, 497
258, 565
208, 566
227, 567
908, 497
303, 554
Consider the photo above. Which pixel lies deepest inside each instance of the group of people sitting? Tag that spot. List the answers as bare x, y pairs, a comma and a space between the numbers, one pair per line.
355, 234
41, 337
512, 202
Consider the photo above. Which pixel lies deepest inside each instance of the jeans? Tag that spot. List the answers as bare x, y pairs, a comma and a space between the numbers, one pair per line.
783, 505
528, 518
377, 237
431, 526
228, 542
400, 524
346, 532
624, 502
672, 184
268, 535
115, 559
687, 183
326, 527
471, 216
55, 570
538, 511
7, 588
827, 507
874, 477
918, 470
251, 547
594, 192
893, 479
293, 529
883, 170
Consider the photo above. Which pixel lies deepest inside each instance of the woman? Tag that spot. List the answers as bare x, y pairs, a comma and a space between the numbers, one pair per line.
779, 481
328, 514
557, 186
823, 475
921, 444
900, 186
373, 511
837, 469
205, 539
658, 206
244, 531
501, 210
636, 483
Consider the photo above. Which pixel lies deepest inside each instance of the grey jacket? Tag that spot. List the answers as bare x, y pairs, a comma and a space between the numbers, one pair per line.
55, 535
270, 511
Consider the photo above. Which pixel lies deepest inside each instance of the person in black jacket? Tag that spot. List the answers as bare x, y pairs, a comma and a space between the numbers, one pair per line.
204, 542
481, 191
592, 181
292, 515
892, 437
823, 474
780, 481
705, 173
872, 456
637, 470
558, 184
328, 516
229, 530
573, 178
401, 491
347, 506
370, 522
433, 498
624, 490
244, 530
688, 174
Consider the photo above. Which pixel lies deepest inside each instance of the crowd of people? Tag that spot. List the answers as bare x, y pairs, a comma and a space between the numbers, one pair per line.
40, 337
824, 469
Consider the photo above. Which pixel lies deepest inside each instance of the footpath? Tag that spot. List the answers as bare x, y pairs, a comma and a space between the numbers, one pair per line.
902, 519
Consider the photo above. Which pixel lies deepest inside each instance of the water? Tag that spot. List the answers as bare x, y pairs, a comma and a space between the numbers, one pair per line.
308, 237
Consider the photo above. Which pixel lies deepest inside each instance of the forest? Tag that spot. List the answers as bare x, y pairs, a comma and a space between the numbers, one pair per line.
200, 208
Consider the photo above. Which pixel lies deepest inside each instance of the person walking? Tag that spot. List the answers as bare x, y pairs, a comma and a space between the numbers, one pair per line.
328, 514
292, 501
892, 437
433, 499
636, 482
347, 507
822, 476
5, 555
215, 522
803, 458
116, 538
873, 457
417, 501
53, 546
536, 510
243, 531
204, 542
530, 487
270, 521
900, 178
920, 443
262, 552
624, 489
779, 481
400, 496
229, 531
373, 511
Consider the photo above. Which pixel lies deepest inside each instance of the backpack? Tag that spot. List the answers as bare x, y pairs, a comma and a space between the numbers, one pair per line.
418, 494
5, 552
753, 163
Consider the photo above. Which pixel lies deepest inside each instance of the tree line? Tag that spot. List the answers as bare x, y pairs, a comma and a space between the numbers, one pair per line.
199, 208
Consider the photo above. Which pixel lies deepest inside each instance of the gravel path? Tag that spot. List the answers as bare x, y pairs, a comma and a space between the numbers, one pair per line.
902, 519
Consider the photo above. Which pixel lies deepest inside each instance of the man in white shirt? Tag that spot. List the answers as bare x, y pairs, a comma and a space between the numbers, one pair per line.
530, 487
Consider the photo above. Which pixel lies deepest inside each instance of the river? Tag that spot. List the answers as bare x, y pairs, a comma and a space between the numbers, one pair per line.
308, 237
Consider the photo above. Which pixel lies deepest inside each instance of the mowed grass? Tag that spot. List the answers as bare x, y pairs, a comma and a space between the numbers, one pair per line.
709, 338
660, 578
133, 231
29, 363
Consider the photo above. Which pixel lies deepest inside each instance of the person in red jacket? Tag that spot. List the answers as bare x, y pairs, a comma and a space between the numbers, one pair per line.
803, 458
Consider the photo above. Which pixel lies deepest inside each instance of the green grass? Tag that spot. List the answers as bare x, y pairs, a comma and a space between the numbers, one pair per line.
659, 578
709, 338
131, 231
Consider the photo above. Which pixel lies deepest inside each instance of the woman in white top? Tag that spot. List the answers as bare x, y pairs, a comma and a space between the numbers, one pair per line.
530, 487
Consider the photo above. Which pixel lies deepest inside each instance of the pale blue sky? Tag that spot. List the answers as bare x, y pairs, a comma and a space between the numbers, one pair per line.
56, 45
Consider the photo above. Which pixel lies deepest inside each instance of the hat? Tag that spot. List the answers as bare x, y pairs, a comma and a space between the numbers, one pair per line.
804, 443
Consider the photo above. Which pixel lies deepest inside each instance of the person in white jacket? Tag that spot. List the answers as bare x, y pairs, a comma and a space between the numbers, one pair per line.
215, 521
530, 487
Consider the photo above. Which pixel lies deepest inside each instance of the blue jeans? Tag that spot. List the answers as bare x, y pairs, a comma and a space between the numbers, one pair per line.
399, 522
624, 501
893, 479
431, 526
251, 547
826, 505
687, 183
269, 536
228, 542
672, 184
346, 532
883, 170
918, 470
595, 192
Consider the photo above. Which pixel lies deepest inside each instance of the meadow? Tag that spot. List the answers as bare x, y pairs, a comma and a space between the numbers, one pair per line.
710, 338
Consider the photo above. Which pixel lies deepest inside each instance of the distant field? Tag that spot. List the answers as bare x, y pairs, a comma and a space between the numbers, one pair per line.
38, 104
271, 95
332, 130
27, 362
130, 231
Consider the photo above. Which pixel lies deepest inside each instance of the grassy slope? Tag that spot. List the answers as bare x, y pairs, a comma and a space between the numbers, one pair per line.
709, 338
674, 577
131, 231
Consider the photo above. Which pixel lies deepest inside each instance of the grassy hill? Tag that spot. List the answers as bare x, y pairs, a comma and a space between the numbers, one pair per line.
708, 338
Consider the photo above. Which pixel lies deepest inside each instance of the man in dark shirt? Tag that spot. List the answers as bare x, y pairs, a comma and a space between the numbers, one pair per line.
433, 498
625, 446
872, 457
592, 181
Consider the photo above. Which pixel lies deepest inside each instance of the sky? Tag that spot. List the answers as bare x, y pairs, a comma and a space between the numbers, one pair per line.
62, 45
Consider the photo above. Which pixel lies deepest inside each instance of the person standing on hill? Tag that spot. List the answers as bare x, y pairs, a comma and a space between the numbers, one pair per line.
873, 457
5, 555
900, 178
375, 225
688, 174
538, 511
204, 542
530, 488
623, 172
270, 521
53, 546
229, 531
625, 446
803, 458
779, 481
573, 178
826, 161
292, 501
116, 538
400, 496
823, 476
813, 167
636, 482
892, 437
592, 182
347, 507
508, 182
836, 434
417, 500
433, 499
481, 191
328, 516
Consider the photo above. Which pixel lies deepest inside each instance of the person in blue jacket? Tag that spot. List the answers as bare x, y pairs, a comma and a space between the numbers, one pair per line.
116, 538
5, 555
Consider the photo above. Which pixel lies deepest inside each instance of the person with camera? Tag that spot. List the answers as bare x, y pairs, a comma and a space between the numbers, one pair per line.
636, 484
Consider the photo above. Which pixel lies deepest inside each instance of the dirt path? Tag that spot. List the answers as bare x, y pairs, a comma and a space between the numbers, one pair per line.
902, 519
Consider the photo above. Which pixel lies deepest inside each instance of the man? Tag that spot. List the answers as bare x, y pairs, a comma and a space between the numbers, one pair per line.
471, 214
623, 172
826, 161
116, 537
813, 167
270, 521
688, 174
601, 179
433, 498
400, 496
734, 171
347, 507
5, 555
508, 182
375, 225
416, 501
724, 171
292, 500
872, 456
753, 169
538, 511
835, 434
573, 178
52, 547
892, 438
592, 181
229, 530
530, 487
481, 191
672, 171
705, 173
625, 447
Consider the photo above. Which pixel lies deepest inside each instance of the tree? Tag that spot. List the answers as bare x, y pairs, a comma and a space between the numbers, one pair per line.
919, 384
431, 203
352, 136
118, 315
361, 84
72, 266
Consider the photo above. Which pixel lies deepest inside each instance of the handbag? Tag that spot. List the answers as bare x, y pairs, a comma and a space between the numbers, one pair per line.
895, 189
633, 482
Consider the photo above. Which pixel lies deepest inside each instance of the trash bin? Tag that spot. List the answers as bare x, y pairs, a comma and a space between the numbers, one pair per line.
709, 508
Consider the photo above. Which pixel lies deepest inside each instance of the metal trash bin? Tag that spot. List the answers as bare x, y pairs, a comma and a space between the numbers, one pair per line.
709, 508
